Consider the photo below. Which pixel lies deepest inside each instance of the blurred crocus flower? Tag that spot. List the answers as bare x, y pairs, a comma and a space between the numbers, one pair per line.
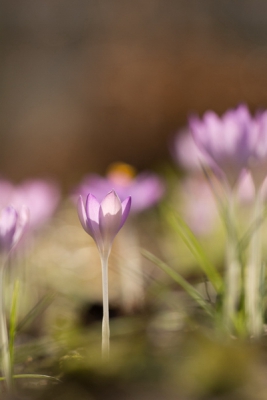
185, 151
228, 140
103, 220
145, 189
40, 196
246, 188
199, 206
12, 227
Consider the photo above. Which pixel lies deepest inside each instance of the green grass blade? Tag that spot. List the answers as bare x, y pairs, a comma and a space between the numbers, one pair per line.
13, 322
40, 307
32, 376
254, 226
196, 249
180, 280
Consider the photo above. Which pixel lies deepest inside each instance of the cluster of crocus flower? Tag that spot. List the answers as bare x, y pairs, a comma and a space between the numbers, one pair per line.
24, 208
231, 146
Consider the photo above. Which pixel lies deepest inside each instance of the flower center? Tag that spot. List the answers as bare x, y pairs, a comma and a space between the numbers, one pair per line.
121, 174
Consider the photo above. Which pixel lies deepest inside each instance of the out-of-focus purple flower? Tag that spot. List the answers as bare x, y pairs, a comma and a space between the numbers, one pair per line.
199, 207
257, 162
186, 153
40, 196
246, 188
103, 220
145, 189
12, 226
228, 140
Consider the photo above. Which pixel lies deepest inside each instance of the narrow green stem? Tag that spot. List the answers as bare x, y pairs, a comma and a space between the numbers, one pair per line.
13, 325
233, 270
105, 323
254, 275
6, 365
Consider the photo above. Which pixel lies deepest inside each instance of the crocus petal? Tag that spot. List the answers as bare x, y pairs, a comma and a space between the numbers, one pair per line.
82, 214
110, 218
226, 140
22, 223
125, 209
92, 212
42, 198
8, 222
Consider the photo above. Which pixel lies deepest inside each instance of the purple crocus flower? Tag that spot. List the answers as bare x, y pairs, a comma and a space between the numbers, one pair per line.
227, 140
103, 220
199, 206
145, 189
12, 226
40, 196
186, 153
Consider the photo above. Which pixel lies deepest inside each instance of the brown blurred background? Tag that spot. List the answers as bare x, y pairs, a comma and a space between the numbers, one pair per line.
85, 83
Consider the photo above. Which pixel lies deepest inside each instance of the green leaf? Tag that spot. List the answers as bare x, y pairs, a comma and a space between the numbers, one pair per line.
13, 322
196, 249
180, 280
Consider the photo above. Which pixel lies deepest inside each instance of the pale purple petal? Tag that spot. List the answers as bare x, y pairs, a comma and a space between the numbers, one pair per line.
198, 206
82, 214
8, 220
41, 196
125, 209
185, 151
111, 205
93, 183
110, 218
146, 190
22, 223
227, 140
92, 208
246, 188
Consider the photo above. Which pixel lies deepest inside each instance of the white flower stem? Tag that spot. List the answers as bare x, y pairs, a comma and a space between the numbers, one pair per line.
254, 274
233, 271
105, 323
6, 364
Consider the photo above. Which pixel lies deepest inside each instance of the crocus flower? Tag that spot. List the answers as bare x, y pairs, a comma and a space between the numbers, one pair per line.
103, 220
199, 206
12, 226
145, 189
185, 151
40, 196
226, 140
